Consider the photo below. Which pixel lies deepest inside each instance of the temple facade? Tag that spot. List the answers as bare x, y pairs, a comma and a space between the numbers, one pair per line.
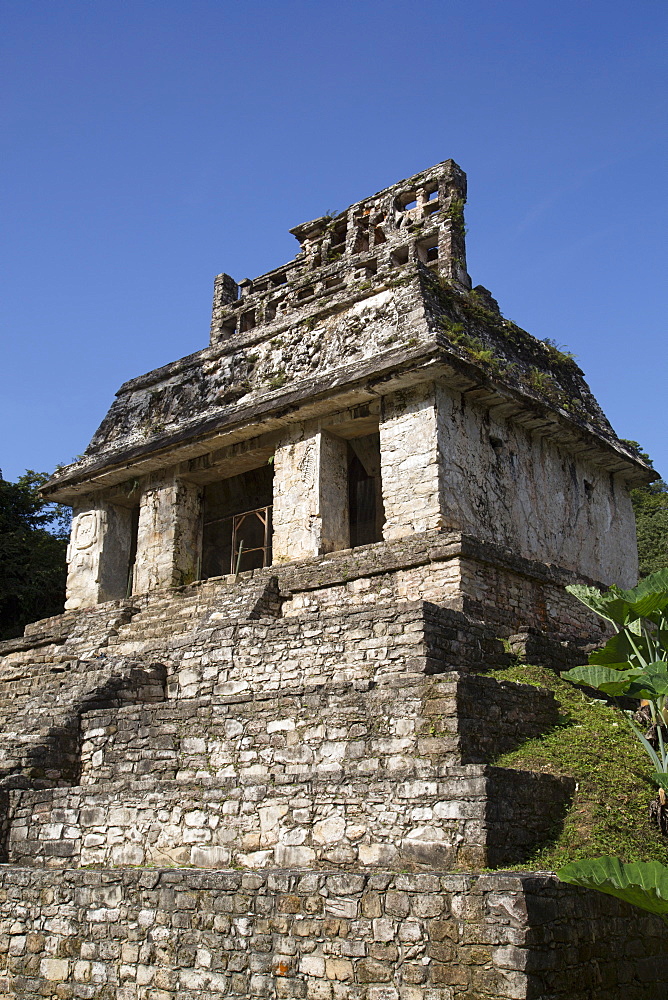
362, 393
259, 755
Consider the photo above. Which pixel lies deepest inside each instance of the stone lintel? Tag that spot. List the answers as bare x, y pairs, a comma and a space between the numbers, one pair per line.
320, 398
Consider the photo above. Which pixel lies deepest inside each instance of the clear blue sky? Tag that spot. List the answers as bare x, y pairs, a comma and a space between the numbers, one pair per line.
147, 146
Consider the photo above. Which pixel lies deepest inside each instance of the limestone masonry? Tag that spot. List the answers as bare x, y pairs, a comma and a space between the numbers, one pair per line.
254, 756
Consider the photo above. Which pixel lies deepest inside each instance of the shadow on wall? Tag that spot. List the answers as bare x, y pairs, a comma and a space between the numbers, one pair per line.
48, 752
607, 950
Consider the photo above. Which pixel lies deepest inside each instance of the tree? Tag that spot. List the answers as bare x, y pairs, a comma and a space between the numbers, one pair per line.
650, 505
33, 544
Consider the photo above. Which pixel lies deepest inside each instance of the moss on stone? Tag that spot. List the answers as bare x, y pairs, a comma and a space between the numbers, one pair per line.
594, 745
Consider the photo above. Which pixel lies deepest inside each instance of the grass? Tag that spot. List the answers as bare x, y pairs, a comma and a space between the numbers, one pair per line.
594, 745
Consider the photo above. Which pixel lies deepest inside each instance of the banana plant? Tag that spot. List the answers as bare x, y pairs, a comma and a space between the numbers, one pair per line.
634, 661
644, 884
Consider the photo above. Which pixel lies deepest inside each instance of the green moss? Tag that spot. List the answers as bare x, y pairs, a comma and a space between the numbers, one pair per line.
594, 745
279, 379
456, 213
557, 352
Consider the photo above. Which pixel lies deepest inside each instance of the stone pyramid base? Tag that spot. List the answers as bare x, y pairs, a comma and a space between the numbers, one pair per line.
161, 934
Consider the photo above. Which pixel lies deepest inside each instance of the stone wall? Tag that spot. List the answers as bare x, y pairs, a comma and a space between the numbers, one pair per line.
471, 816
357, 738
340, 775
67, 665
159, 934
445, 567
435, 724
409, 464
363, 646
505, 484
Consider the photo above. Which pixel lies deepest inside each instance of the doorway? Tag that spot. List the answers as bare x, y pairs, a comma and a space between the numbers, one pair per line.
236, 528
365, 495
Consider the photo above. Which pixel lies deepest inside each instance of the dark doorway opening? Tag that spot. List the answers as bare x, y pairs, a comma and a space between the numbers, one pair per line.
365, 497
236, 531
132, 556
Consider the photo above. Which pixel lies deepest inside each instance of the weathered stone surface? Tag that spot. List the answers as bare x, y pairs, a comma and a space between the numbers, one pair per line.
168, 535
373, 330
98, 554
401, 483
289, 934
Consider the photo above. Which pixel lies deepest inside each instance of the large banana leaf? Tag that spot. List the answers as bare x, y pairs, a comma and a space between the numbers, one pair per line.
644, 884
652, 683
620, 649
608, 679
607, 605
649, 596
645, 600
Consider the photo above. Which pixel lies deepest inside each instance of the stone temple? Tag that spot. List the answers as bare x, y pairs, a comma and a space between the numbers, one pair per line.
254, 756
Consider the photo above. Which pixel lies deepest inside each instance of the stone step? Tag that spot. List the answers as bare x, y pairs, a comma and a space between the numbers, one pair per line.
434, 723
471, 816
174, 615
39, 738
363, 935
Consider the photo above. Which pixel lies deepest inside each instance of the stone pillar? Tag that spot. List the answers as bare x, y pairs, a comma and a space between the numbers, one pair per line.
409, 462
98, 556
169, 535
310, 495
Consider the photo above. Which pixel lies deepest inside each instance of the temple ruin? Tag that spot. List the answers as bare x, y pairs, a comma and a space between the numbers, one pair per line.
252, 758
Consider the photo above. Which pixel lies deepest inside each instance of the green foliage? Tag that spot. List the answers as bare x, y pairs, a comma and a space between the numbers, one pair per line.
33, 543
538, 380
612, 682
558, 352
543, 367
649, 599
650, 506
614, 776
475, 348
278, 380
456, 213
642, 884
634, 661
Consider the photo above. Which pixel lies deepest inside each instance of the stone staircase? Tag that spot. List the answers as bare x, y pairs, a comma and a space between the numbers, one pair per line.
101, 657
163, 623
280, 808
372, 777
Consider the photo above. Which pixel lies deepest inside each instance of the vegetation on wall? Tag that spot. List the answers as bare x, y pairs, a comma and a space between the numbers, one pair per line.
33, 543
650, 505
609, 814
540, 367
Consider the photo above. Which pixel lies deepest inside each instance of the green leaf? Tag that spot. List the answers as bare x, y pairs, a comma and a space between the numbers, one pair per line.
649, 596
618, 649
646, 745
647, 599
661, 779
644, 884
605, 605
652, 683
611, 681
